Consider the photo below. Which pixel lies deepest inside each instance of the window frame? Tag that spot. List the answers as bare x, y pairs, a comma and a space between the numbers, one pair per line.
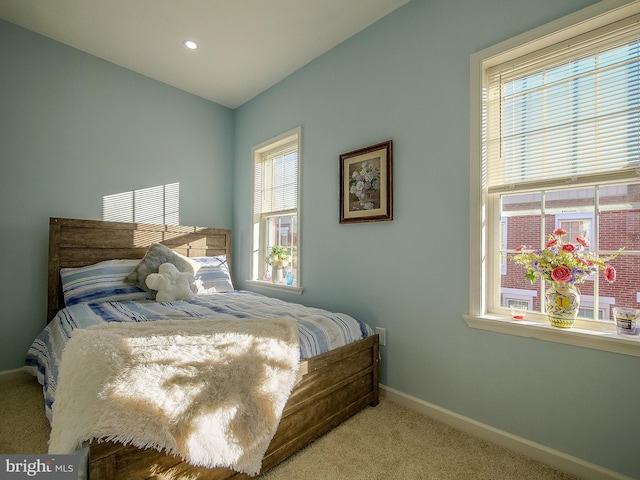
589, 334
260, 237
578, 216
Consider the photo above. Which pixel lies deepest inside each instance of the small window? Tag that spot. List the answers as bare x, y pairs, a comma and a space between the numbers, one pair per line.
516, 297
275, 215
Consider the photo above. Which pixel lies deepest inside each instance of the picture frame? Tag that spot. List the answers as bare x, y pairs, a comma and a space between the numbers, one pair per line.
366, 184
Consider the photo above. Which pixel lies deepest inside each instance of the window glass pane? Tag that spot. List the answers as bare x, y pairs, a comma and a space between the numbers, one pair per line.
565, 114
620, 227
625, 290
282, 230
281, 192
276, 180
574, 210
522, 215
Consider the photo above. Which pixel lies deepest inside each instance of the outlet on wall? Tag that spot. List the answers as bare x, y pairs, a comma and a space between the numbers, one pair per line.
383, 335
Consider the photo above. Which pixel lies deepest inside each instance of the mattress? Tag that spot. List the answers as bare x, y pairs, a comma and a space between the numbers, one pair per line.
319, 330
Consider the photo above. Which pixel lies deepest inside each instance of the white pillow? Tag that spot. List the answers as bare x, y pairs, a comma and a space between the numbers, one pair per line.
213, 275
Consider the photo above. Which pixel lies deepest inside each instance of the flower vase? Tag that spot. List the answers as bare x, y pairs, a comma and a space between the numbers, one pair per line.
365, 199
276, 274
562, 303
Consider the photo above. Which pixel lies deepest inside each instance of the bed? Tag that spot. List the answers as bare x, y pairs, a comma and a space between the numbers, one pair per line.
331, 387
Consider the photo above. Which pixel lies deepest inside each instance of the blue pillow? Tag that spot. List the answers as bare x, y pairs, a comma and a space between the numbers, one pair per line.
102, 282
213, 275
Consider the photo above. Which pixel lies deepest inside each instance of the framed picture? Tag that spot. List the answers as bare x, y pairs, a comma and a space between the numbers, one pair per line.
366, 184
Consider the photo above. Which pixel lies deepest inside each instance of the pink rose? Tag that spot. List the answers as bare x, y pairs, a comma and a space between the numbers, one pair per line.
520, 248
561, 274
558, 232
550, 243
568, 247
583, 241
610, 274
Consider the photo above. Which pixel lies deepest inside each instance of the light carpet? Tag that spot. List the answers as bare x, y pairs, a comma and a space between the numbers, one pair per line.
388, 442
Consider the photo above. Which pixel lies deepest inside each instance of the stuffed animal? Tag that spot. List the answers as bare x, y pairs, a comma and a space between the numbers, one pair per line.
171, 283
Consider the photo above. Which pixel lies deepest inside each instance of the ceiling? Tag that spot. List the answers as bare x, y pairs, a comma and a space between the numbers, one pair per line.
245, 46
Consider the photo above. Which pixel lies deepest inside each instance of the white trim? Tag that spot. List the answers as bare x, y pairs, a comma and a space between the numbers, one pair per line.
519, 293
604, 304
275, 286
504, 222
582, 21
537, 451
584, 333
572, 217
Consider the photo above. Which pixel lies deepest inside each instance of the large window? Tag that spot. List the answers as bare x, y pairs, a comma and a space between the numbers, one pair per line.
555, 143
275, 215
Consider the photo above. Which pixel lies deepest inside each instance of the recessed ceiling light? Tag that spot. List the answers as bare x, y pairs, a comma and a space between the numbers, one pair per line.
190, 44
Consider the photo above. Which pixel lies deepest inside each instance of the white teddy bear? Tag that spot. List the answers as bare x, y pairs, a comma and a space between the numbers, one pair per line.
171, 283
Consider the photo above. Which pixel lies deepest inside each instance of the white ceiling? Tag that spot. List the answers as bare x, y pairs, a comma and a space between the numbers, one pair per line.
245, 46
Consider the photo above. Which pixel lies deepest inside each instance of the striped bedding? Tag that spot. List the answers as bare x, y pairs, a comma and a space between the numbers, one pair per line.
320, 330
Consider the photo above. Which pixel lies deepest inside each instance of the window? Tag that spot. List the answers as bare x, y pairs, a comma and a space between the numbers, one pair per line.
576, 225
516, 297
275, 216
555, 142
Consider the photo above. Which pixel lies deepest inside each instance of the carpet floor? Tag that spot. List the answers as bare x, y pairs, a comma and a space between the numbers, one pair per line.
387, 442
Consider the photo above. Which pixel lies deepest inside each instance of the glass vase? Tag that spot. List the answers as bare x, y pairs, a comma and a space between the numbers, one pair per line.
562, 304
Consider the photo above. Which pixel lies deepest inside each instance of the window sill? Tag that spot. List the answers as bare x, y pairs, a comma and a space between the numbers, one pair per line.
596, 335
275, 286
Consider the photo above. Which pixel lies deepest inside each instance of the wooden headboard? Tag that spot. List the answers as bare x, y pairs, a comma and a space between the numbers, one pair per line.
76, 243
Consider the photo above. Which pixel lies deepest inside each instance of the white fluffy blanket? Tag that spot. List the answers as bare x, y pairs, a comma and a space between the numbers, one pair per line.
210, 391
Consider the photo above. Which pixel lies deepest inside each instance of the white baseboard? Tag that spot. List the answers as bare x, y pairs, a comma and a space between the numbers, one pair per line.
555, 458
7, 375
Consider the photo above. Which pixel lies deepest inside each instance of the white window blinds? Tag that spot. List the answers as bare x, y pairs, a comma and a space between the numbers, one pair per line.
276, 180
566, 114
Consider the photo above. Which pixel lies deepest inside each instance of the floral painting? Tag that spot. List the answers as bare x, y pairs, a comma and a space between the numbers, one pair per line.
366, 184
364, 193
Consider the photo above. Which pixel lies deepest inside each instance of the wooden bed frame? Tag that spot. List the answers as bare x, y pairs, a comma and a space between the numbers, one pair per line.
333, 387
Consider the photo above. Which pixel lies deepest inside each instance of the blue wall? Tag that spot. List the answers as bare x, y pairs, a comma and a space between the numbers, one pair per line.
74, 128
406, 78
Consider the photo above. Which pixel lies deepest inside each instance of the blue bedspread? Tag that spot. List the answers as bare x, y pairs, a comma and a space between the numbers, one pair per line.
320, 330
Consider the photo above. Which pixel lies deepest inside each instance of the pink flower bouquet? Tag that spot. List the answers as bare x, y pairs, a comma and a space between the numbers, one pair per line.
563, 262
